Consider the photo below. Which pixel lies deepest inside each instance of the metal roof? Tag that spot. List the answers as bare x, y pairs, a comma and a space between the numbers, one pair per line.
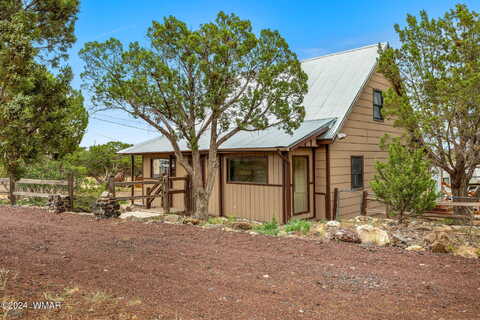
270, 138
334, 83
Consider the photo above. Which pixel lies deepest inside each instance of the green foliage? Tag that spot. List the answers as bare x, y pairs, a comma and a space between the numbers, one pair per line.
296, 225
268, 228
40, 113
102, 161
215, 220
405, 181
216, 80
436, 95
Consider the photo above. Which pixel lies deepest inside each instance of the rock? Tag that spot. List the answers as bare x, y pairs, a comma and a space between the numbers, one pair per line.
467, 252
106, 208
346, 236
58, 203
171, 218
439, 247
333, 224
372, 235
241, 225
443, 228
105, 194
399, 240
190, 220
364, 219
439, 242
415, 248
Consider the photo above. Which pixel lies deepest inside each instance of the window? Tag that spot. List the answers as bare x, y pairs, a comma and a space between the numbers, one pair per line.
377, 105
357, 172
159, 167
300, 184
247, 169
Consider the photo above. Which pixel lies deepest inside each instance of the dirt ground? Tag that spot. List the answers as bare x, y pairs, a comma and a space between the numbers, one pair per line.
111, 269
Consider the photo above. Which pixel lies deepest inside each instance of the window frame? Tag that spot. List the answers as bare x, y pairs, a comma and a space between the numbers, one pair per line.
381, 119
229, 158
151, 167
352, 173
308, 185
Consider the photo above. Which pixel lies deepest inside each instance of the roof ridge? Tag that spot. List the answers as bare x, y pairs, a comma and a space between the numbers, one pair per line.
342, 52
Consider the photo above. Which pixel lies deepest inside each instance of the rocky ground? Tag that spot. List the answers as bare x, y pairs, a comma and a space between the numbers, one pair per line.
166, 268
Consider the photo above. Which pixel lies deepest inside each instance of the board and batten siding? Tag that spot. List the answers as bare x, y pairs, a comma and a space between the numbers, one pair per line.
251, 201
363, 139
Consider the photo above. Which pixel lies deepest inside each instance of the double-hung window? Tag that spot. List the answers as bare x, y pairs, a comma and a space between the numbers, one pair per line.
377, 105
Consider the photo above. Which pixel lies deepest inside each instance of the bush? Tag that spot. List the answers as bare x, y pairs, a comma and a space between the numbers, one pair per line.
268, 228
405, 181
295, 225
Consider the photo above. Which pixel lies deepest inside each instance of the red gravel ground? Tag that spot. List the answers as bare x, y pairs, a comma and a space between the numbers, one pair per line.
187, 272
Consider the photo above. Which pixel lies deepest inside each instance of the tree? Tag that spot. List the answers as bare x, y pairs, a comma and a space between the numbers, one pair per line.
102, 161
39, 111
436, 95
404, 182
211, 82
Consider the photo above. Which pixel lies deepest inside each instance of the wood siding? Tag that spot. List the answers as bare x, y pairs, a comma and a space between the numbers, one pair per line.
256, 202
363, 138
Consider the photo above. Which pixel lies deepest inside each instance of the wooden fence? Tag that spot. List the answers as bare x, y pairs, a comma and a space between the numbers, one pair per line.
11, 188
157, 188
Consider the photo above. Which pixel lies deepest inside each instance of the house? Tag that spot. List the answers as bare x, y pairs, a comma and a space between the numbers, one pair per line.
270, 174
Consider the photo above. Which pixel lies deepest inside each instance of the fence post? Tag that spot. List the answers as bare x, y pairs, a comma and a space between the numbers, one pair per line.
166, 193
363, 208
11, 191
148, 199
335, 203
71, 186
111, 186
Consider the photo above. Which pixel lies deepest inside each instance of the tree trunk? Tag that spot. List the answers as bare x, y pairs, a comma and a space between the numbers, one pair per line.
459, 186
11, 190
200, 196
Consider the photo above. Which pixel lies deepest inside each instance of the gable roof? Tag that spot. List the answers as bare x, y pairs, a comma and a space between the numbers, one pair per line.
334, 83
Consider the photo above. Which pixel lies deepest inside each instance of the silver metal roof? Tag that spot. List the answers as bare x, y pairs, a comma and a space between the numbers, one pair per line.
270, 138
334, 82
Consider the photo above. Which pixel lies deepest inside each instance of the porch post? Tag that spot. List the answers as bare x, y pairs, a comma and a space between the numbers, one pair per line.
328, 213
132, 177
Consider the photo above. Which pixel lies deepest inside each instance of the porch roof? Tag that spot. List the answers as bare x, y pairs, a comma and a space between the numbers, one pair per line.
271, 138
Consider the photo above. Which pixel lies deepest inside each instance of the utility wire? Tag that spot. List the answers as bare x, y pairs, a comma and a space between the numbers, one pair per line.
122, 124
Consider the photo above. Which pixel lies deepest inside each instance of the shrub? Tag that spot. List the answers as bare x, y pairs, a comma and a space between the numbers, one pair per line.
405, 181
268, 228
295, 225
215, 220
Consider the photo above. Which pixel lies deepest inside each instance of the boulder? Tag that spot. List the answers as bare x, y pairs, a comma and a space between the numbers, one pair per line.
369, 234
172, 218
364, 219
439, 242
190, 220
346, 235
415, 248
241, 225
105, 194
467, 252
440, 247
332, 224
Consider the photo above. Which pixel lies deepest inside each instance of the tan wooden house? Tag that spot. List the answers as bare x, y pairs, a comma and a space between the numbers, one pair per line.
270, 174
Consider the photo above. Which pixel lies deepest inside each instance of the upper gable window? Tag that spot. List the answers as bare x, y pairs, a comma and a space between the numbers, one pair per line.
377, 105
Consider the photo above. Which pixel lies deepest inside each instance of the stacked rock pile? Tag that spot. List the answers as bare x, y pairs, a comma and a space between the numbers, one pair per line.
106, 206
58, 203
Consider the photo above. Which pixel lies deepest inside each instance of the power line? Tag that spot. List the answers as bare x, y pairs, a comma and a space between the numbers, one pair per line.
122, 124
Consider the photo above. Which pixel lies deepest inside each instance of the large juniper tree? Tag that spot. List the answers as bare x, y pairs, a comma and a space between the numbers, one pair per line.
213, 81
39, 111
436, 95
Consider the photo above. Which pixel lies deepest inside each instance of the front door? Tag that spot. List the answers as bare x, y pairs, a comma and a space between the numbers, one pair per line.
300, 185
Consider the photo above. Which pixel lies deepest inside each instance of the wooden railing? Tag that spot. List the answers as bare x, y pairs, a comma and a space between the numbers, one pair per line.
12, 192
161, 188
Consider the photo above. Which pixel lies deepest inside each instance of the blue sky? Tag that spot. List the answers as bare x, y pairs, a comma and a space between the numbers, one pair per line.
311, 28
